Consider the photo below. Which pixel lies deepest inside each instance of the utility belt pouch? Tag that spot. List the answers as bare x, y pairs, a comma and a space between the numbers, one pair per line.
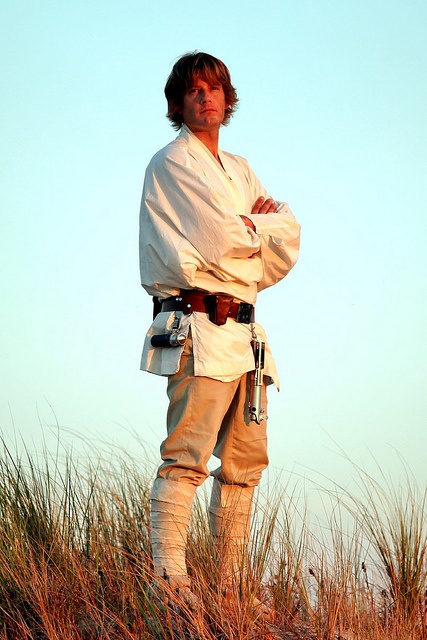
218, 307
245, 313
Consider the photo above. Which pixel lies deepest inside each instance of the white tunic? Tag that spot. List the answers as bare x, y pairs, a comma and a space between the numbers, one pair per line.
192, 237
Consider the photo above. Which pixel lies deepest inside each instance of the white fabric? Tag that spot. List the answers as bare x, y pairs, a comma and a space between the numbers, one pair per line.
192, 237
170, 516
230, 519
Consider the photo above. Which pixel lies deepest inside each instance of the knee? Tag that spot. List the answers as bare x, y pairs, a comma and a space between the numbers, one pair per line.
244, 472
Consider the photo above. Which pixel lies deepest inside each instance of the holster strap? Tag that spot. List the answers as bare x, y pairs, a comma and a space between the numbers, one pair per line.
218, 306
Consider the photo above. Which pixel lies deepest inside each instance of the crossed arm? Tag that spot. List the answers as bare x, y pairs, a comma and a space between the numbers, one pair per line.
261, 205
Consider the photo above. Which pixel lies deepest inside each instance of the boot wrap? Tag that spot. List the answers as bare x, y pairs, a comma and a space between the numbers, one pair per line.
230, 518
170, 517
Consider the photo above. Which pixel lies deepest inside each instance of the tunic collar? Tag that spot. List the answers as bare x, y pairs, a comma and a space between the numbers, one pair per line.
196, 144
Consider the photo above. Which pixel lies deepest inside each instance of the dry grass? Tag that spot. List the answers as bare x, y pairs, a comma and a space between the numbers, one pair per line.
75, 562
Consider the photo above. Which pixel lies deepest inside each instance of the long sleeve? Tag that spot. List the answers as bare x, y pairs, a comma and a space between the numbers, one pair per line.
279, 234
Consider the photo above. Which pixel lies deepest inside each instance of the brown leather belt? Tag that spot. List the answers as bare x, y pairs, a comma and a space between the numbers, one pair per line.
218, 306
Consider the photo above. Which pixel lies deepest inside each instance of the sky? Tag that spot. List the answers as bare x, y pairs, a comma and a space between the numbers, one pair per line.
332, 119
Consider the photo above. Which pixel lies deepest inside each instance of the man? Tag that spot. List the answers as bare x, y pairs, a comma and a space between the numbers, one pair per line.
210, 238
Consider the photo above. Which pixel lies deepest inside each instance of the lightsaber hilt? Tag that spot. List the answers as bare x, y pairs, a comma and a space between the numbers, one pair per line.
168, 340
256, 410
173, 338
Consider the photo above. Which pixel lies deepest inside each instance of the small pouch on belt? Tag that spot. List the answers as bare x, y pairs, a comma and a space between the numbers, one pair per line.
218, 307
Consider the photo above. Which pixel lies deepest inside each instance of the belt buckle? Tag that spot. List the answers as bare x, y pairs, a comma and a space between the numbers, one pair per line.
244, 313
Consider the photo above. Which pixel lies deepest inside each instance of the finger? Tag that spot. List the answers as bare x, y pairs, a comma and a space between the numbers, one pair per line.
257, 205
273, 207
268, 206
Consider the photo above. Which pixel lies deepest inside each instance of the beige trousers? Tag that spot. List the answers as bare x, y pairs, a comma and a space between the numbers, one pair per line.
206, 417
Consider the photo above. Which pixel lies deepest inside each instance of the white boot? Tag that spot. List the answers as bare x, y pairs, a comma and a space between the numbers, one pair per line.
170, 517
230, 518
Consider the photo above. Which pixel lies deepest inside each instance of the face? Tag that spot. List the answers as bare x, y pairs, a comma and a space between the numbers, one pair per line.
203, 106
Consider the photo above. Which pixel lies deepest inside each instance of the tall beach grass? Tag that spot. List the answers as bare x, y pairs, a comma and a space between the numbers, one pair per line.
75, 561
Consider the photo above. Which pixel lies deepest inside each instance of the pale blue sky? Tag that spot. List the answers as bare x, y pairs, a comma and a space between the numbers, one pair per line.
332, 118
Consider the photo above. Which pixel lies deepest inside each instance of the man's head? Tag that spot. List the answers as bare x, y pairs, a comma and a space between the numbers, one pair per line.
202, 66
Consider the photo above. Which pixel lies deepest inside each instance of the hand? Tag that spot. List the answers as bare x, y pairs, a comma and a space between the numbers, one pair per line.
248, 222
267, 205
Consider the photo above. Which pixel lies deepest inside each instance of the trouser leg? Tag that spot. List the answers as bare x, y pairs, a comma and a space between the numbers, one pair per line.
241, 443
197, 407
196, 410
242, 448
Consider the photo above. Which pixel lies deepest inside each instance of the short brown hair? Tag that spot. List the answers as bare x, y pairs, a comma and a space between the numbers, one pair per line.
200, 65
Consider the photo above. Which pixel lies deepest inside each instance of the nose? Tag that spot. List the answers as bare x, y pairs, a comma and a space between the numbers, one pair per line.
205, 96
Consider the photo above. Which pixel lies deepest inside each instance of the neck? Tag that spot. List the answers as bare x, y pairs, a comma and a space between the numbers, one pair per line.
211, 140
